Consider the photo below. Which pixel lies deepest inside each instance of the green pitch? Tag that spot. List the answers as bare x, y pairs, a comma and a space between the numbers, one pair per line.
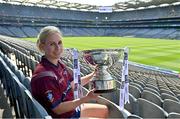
155, 52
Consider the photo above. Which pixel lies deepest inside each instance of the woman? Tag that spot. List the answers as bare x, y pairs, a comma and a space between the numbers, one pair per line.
52, 83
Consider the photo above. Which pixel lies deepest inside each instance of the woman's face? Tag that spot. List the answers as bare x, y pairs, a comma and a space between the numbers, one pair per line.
53, 46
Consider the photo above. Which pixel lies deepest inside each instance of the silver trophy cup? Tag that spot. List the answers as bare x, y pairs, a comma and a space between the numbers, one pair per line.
102, 59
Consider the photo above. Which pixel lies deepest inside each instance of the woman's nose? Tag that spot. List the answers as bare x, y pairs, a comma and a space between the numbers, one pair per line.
58, 46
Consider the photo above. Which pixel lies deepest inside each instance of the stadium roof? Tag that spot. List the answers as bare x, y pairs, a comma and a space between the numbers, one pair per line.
124, 5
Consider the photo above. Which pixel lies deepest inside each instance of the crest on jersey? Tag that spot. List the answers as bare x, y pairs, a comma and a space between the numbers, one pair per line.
49, 95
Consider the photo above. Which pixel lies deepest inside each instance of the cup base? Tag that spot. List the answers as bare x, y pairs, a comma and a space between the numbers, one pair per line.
104, 91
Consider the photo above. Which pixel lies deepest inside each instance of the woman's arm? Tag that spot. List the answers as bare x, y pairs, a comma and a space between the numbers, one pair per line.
71, 105
86, 79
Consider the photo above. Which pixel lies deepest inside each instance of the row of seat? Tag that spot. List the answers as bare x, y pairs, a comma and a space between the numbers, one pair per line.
24, 60
158, 84
148, 105
20, 97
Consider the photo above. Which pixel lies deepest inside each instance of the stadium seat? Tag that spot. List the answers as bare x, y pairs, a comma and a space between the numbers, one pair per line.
35, 110
20, 102
26, 83
176, 91
37, 57
132, 105
27, 65
171, 106
134, 91
20, 75
167, 91
140, 83
33, 65
26, 105
152, 87
152, 97
173, 115
137, 85
168, 96
133, 116
151, 90
6, 80
11, 89
178, 96
147, 109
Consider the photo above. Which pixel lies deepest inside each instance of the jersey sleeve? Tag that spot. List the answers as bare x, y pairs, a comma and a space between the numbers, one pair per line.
51, 92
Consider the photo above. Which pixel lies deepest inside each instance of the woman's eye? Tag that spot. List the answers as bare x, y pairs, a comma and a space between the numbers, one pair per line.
51, 44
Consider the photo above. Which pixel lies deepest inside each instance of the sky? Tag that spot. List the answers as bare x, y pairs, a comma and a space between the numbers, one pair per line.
96, 2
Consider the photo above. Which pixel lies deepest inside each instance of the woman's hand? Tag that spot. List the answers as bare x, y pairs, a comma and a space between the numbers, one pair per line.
87, 78
96, 70
91, 95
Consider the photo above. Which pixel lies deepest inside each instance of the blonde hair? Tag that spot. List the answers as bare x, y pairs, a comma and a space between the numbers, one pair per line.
44, 33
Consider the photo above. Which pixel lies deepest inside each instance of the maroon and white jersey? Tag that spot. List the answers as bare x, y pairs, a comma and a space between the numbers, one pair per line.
50, 85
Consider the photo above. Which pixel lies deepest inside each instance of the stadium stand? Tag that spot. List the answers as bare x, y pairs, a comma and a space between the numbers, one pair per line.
25, 21
146, 84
